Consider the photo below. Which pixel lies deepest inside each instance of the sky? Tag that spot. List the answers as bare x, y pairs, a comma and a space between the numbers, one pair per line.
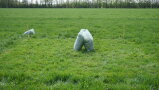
33, 1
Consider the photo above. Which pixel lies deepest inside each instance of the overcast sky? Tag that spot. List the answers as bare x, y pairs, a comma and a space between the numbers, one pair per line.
33, 1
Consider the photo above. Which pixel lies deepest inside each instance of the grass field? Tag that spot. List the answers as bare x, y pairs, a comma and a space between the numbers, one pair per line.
126, 52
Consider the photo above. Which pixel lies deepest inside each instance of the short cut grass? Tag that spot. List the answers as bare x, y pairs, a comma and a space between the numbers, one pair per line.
126, 52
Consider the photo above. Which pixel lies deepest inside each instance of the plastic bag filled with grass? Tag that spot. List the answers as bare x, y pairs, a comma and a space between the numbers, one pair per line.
29, 32
84, 38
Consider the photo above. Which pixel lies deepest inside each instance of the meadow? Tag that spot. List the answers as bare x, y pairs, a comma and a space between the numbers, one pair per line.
126, 54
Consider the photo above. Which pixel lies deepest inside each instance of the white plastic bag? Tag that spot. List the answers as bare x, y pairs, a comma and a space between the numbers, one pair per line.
29, 32
85, 39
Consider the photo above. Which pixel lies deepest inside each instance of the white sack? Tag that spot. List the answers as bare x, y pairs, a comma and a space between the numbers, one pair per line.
84, 38
29, 32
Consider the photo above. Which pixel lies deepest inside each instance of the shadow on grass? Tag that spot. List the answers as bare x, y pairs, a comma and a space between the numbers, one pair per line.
87, 52
84, 51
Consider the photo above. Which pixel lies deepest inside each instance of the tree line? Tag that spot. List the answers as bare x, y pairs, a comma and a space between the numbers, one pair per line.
79, 4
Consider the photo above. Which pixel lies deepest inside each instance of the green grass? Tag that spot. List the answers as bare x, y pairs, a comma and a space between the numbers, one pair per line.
126, 52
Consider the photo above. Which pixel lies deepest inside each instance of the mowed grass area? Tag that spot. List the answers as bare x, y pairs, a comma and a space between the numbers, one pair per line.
126, 52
